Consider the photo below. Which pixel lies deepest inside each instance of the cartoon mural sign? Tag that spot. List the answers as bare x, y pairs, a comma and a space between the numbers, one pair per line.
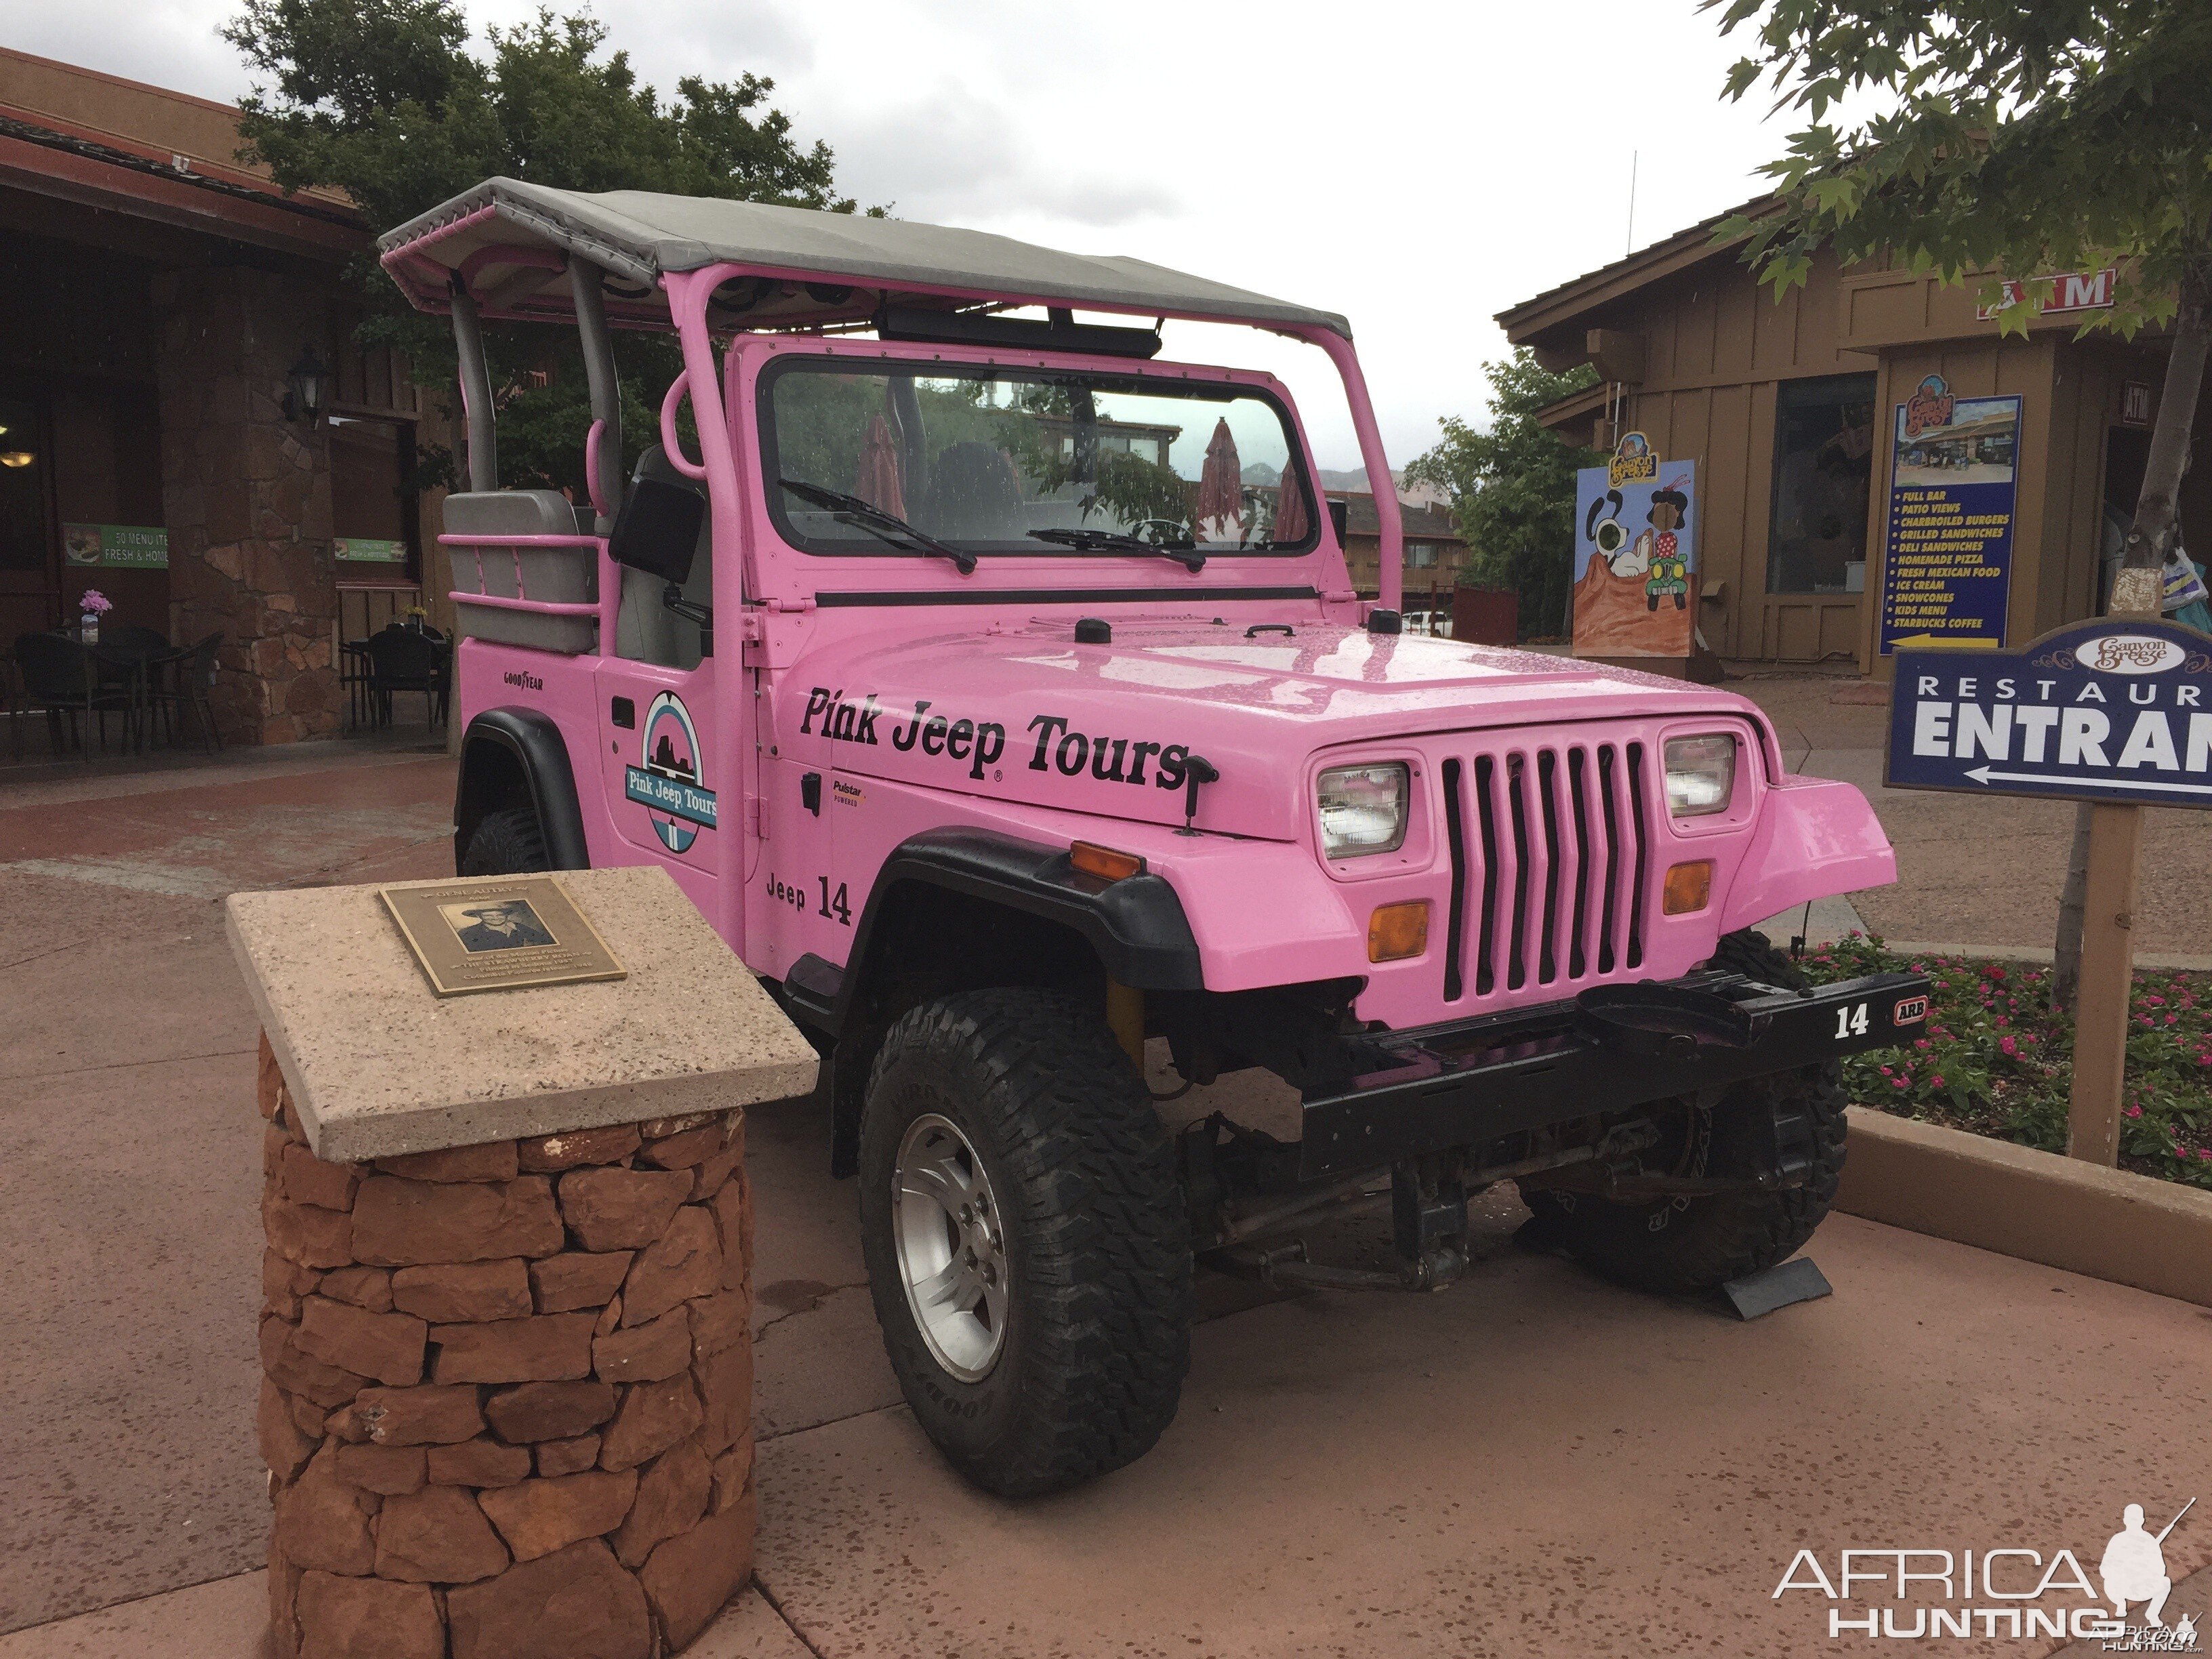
1635, 552
671, 785
1947, 572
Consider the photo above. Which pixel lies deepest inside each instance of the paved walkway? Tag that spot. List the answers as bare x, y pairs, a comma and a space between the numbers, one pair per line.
1533, 1463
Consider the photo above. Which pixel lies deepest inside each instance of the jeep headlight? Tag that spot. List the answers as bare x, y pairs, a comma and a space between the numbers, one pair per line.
1363, 808
1700, 774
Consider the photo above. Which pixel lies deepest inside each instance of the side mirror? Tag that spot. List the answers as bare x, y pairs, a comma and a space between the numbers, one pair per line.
657, 530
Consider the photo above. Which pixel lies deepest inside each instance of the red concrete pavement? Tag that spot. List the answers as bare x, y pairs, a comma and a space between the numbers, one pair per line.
1533, 1463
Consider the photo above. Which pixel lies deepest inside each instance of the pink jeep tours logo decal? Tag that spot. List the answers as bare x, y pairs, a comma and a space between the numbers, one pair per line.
671, 783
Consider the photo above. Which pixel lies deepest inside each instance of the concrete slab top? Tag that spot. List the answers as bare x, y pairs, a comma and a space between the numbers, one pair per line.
378, 1066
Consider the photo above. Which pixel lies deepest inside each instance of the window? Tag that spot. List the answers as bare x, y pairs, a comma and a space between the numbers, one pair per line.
1422, 555
23, 542
1033, 462
1823, 460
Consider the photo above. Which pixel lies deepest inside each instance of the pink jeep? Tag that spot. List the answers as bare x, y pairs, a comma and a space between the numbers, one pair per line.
999, 691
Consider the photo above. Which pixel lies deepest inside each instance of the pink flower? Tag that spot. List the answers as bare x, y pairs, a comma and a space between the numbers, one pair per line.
1922, 1044
2002, 1020
94, 603
2135, 1111
2155, 1002
2009, 1046
1937, 1082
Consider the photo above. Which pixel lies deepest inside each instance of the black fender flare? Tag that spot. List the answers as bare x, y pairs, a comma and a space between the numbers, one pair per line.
1136, 925
531, 743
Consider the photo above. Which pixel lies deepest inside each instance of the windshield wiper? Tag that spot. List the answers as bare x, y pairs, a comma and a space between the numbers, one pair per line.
1185, 553
867, 515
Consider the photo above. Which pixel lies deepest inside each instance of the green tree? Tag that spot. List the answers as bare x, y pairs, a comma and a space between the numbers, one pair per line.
384, 100
2006, 140
1512, 488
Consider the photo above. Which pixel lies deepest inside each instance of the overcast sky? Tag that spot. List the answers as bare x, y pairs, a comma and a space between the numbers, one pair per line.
1416, 167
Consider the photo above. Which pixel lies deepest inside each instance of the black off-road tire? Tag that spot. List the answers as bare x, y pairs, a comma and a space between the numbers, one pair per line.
1681, 1244
506, 842
1097, 1238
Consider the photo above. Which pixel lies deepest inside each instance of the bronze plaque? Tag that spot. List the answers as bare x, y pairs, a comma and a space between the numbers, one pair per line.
499, 935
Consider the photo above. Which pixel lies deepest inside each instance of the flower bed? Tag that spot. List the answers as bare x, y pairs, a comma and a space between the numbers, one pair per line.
1997, 1062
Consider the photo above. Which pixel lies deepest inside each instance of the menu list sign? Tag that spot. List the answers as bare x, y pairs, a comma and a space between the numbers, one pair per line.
1946, 569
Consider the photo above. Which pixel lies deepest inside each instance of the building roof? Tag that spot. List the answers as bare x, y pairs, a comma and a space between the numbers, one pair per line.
76, 134
1427, 524
638, 236
1524, 322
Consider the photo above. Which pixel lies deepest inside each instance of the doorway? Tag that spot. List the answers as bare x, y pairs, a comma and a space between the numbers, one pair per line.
2127, 456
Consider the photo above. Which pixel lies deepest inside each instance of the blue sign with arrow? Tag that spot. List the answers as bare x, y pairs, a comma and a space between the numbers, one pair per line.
2118, 710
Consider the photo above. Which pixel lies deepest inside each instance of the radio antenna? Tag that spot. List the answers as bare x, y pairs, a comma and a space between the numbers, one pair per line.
1634, 156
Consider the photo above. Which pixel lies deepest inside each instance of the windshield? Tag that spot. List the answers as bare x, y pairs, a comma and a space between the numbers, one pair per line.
997, 461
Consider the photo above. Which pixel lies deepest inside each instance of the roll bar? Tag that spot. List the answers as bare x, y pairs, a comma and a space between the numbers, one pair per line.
602, 450
476, 389
1389, 522
689, 293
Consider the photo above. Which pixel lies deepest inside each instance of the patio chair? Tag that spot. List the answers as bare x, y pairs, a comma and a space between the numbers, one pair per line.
61, 677
356, 669
401, 659
128, 656
178, 682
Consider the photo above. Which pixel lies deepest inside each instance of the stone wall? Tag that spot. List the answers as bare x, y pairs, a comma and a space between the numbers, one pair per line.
246, 496
508, 1405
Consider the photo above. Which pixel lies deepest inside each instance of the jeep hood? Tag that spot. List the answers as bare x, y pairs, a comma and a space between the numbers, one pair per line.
1024, 713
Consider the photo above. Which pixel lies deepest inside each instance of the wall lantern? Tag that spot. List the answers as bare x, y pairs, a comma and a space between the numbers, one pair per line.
15, 458
306, 381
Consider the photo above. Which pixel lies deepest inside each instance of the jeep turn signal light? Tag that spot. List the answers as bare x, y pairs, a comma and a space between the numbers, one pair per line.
1689, 887
1395, 931
1103, 862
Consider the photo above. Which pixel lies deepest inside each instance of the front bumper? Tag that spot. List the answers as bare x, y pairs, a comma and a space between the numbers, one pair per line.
1466, 1082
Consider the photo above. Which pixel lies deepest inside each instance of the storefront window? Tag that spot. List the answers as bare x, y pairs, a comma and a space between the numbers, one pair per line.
1823, 461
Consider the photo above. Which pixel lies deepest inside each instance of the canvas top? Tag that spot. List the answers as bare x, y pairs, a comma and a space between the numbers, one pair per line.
830, 267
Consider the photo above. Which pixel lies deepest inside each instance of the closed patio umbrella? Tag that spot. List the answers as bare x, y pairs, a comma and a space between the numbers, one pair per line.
1291, 521
878, 481
1221, 488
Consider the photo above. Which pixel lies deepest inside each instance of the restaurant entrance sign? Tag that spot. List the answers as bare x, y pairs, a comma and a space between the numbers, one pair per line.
2114, 710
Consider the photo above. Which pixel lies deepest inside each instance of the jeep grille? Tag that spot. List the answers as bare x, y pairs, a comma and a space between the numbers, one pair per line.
1549, 866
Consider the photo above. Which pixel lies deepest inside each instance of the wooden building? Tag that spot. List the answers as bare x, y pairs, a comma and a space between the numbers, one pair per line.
159, 301
1435, 550
1790, 410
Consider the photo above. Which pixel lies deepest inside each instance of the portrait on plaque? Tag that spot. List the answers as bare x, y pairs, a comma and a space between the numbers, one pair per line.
500, 934
506, 925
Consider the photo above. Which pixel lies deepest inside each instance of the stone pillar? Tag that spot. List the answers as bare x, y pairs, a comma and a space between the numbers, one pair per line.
507, 1395
506, 1344
247, 495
